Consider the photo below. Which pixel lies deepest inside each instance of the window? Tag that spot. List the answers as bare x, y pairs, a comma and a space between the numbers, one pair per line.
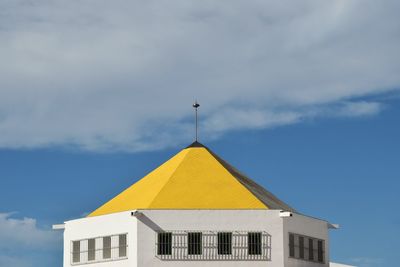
164, 243
194, 243
301, 247
311, 249
91, 249
225, 243
122, 245
306, 248
106, 247
213, 246
320, 251
291, 245
76, 251
254, 243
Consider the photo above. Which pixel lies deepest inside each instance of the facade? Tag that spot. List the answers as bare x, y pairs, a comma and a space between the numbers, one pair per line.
196, 210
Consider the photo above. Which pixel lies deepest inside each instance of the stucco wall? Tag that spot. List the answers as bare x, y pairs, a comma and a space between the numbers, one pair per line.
215, 220
306, 226
142, 234
99, 226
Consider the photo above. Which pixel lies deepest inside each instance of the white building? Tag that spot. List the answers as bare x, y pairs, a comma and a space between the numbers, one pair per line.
196, 210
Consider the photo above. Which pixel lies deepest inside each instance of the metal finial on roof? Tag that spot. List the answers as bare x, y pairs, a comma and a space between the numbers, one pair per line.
196, 106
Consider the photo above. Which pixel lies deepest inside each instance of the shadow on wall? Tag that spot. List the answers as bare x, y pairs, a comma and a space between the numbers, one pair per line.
147, 221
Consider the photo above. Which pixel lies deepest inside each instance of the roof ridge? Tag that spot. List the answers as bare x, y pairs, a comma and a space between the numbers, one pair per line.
235, 173
221, 162
169, 180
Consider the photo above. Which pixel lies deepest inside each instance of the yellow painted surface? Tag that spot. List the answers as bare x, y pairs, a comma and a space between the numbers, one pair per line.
192, 179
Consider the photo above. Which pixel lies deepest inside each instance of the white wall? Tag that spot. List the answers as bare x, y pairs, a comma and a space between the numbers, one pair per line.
99, 226
306, 226
142, 234
214, 220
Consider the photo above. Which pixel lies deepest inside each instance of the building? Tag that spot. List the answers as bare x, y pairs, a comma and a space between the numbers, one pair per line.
196, 210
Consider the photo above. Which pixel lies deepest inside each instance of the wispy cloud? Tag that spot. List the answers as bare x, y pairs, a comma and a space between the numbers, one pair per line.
122, 75
24, 233
24, 244
250, 118
362, 108
231, 118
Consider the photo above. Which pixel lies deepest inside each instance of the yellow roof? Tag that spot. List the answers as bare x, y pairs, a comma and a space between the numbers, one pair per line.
195, 178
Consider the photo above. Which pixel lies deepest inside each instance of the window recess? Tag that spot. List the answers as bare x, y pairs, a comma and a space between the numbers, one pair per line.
254, 243
213, 245
195, 243
306, 248
164, 243
225, 243
99, 249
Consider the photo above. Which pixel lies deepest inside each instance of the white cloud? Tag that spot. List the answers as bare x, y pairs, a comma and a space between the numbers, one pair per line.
243, 118
229, 119
25, 244
362, 108
121, 75
25, 234
346, 109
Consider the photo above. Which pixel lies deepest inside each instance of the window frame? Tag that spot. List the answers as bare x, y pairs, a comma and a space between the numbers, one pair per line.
83, 253
301, 247
107, 249
311, 249
295, 247
91, 251
224, 243
292, 246
254, 243
239, 248
164, 243
76, 251
321, 252
122, 247
195, 243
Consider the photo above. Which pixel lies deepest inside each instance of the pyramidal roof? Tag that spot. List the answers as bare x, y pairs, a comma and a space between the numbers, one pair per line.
195, 178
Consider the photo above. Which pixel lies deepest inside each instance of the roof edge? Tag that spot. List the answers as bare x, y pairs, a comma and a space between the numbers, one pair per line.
196, 144
262, 194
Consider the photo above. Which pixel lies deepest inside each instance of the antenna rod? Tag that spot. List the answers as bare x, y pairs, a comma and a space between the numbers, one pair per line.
196, 106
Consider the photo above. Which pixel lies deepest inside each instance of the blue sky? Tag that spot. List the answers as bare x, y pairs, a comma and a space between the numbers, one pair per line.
343, 170
303, 96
